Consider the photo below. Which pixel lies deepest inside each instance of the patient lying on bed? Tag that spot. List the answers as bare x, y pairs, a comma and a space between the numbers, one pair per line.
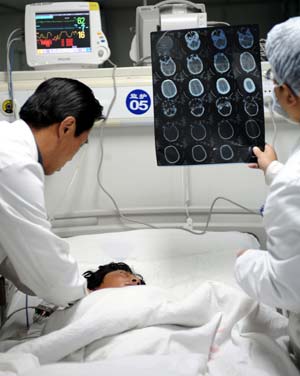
114, 274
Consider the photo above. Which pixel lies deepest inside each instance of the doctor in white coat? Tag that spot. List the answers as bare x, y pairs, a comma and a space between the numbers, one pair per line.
273, 276
54, 122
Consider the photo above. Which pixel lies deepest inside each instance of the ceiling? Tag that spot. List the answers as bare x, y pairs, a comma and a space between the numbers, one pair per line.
9, 6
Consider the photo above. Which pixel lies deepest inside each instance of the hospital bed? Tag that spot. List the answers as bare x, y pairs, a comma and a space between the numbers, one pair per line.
190, 318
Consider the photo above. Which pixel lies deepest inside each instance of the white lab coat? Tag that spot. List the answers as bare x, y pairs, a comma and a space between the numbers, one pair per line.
40, 258
273, 276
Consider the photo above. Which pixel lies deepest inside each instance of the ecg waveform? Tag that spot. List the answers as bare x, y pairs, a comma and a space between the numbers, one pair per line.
61, 31
63, 39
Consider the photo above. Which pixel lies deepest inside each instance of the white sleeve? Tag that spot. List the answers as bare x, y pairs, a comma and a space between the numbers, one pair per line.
272, 171
272, 276
40, 258
252, 274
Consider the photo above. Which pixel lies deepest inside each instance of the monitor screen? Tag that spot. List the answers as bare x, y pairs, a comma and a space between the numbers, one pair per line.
61, 31
64, 35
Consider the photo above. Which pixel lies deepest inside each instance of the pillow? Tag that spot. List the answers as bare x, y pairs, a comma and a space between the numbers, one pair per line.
170, 258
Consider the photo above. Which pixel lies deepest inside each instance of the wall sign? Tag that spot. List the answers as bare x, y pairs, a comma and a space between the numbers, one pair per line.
138, 101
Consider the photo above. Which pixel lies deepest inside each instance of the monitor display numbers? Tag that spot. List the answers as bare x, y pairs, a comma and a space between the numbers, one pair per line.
56, 32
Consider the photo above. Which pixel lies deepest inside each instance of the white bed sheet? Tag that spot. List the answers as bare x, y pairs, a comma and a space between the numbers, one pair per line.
229, 333
170, 258
179, 315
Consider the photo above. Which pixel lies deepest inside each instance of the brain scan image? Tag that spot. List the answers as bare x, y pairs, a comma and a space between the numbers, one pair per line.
167, 66
252, 129
171, 133
164, 45
199, 153
249, 85
221, 63
198, 132
192, 40
172, 154
251, 106
169, 108
194, 64
247, 62
224, 106
219, 39
168, 89
225, 130
207, 95
246, 39
195, 87
196, 107
222, 86
226, 152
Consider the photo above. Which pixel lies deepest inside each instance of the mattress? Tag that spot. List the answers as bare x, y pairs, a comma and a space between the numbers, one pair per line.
169, 258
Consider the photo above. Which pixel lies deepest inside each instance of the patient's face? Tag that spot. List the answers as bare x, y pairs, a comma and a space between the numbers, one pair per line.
119, 278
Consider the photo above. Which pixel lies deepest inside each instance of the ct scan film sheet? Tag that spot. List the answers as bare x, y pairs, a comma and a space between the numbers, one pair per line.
207, 92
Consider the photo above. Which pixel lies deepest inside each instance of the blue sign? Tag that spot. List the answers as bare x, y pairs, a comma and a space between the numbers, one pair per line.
138, 102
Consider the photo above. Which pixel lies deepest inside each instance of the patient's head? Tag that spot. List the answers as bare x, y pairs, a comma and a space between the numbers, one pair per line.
115, 274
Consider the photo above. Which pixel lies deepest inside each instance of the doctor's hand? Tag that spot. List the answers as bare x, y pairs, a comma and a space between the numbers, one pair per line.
264, 158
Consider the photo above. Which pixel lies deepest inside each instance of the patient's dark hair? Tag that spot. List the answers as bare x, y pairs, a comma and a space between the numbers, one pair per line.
94, 279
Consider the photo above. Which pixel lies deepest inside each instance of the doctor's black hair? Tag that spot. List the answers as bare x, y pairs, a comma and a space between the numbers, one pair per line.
57, 98
94, 279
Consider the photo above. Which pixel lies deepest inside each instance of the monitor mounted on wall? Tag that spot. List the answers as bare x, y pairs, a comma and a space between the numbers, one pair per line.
64, 35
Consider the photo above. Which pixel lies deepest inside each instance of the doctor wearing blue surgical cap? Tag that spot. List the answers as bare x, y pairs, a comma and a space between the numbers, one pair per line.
273, 276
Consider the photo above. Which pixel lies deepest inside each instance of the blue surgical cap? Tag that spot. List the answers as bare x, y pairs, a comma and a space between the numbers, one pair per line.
283, 52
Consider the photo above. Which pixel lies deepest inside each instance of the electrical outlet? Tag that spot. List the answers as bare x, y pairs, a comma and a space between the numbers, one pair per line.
267, 92
6, 112
267, 84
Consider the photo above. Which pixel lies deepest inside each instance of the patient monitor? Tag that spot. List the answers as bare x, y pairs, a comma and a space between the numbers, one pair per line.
64, 35
166, 15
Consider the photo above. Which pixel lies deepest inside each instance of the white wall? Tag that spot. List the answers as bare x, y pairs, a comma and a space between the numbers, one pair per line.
144, 191
155, 194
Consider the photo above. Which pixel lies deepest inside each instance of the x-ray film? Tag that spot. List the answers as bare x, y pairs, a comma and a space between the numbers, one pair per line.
207, 90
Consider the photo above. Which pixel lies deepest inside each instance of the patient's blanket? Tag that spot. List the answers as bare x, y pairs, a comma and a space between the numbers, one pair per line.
230, 333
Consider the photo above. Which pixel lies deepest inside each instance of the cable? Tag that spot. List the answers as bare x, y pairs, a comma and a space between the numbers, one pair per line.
51, 218
186, 228
210, 214
268, 102
216, 23
10, 41
274, 124
27, 315
9, 72
140, 61
187, 201
122, 216
17, 310
171, 2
